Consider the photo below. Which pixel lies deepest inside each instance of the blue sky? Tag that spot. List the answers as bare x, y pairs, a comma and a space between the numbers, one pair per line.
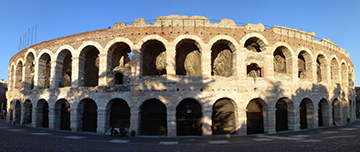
337, 20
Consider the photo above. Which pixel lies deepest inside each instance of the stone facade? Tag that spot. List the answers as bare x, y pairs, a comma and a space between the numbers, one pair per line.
183, 76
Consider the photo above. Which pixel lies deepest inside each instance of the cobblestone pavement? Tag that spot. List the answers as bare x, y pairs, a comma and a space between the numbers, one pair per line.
17, 138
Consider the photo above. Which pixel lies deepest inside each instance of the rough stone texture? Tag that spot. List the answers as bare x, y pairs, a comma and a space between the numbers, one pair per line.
193, 70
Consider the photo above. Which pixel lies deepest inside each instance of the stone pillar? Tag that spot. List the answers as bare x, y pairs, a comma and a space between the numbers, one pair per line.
206, 61
170, 61
75, 73
171, 123
293, 68
241, 122
270, 123
54, 80
103, 70
52, 120
136, 61
207, 122
101, 123
134, 119
75, 119
37, 117
22, 117
294, 118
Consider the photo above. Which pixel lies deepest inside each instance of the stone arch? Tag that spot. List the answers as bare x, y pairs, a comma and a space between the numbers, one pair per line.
28, 109
29, 71
62, 115
282, 60
254, 44
196, 40
323, 113
334, 70
306, 114
112, 43
321, 68
118, 62
153, 58
117, 114
253, 70
189, 117
188, 58
87, 109
255, 116
223, 117
17, 112
89, 62
222, 58
63, 69
153, 118
44, 70
18, 74
344, 74
284, 111
304, 65
336, 112
42, 114
254, 37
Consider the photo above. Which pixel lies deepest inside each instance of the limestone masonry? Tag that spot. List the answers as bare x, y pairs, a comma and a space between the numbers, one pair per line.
182, 76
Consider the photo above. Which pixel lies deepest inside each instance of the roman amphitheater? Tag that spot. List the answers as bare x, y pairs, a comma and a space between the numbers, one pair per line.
179, 75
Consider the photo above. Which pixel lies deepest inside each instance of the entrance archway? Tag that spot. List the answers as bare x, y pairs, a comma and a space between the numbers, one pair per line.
223, 117
188, 118
336, 112
306, 113
62, 114
89, 119
323, 114
153, 118
17, 112
119, 113
255, 118
281, 115
43, 113
28, 111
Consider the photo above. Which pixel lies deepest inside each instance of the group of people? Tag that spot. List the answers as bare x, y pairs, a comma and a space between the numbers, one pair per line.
123, 132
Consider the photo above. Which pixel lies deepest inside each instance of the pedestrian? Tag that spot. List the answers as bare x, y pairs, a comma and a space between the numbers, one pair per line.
348, 121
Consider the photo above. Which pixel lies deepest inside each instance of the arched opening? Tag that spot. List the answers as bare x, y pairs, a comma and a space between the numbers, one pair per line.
28, 111
223, 117
344, 75
221, 59
254, 44
11, 112
44, 71
301, 66
29, 71
188, 58
253, 70
89, 66
255, 118
281, 112
154, 58
280, 60
119, 113
62, 114
189, 118
320, 68
18, 75
336, 112
153, 118
334, 71
119, 59
306, 113
64, 68
17, 114
323, 114
42, 113
89, 118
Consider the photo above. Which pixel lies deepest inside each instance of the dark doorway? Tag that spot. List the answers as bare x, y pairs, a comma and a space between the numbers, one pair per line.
65, 116
281, 115
119, 114
17, 112
28, 111
153, 118
320, 115
303, 116
223, 117
255, 119
336, 113
89, 116
45, 114
188, 118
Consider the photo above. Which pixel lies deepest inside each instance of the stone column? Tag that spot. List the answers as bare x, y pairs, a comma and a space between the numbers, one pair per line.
206, 61
270, 123
207, 122
75, 73
136, 67
134, 119
171, 123
37, 115
241, 122
294, 118
101, 123
22, 117
54, 80
52, 121
75, 119
103, 70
